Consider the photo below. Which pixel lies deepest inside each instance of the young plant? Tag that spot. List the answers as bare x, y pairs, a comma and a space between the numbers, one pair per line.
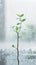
17, 29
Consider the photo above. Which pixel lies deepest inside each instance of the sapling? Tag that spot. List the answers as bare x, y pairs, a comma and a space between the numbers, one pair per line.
17, 29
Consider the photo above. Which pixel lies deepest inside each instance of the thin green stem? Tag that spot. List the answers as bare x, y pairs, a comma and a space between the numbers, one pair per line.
18, 48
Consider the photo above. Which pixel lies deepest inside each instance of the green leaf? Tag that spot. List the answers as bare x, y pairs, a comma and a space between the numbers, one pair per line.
17, 28
20, 15
13, 46
23, 20
18, 23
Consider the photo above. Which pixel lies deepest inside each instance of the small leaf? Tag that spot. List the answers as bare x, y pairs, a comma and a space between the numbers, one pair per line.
22, 20
18, 23
13, 46
17, 28
20, 15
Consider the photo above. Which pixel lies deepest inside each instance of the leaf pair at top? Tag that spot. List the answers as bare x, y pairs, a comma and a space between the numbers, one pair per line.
20, 15
21, 19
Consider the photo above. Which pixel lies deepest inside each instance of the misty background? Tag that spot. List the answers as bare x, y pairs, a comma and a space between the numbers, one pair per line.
10, 9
